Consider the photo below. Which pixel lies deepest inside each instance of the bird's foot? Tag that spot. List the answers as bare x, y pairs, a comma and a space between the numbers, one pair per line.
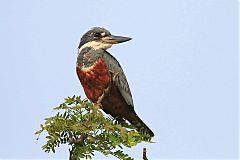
115, 76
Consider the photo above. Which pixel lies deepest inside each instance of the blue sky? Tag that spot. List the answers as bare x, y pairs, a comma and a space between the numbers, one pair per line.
182, 67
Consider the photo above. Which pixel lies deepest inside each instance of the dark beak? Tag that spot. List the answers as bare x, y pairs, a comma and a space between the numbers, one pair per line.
115, 39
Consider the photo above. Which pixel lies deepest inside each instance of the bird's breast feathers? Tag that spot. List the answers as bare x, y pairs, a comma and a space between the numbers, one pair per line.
94, 79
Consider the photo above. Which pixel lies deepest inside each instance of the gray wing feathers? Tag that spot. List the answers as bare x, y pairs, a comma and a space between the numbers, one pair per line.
120, 78
123, 87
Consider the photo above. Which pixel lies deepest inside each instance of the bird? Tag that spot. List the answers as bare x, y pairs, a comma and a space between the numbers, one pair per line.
103, 79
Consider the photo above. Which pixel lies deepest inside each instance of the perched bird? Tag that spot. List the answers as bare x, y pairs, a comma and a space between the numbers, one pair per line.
103, 79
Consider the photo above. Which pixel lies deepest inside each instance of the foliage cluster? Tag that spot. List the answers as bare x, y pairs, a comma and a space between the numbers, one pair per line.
85, 127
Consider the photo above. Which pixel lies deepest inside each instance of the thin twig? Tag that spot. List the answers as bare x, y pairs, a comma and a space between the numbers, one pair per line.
71, 154
145, 154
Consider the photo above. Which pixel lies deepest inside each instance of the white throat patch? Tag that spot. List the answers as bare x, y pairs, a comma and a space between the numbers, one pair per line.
95, 45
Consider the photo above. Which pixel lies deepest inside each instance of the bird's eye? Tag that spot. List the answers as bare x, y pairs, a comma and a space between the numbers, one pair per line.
97, 35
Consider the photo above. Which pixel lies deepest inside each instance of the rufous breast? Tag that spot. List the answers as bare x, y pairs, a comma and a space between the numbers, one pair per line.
94, 79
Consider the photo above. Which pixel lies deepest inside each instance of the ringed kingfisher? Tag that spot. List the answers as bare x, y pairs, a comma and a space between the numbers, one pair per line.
103, 79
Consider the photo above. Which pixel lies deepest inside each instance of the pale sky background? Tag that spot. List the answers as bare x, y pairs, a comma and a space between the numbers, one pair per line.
182, 67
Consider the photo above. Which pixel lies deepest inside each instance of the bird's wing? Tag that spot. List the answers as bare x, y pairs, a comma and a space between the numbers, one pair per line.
119, 78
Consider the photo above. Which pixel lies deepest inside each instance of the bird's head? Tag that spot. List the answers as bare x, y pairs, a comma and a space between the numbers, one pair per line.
100, 38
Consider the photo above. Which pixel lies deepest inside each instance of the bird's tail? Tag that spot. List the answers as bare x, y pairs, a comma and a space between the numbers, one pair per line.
142, 127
